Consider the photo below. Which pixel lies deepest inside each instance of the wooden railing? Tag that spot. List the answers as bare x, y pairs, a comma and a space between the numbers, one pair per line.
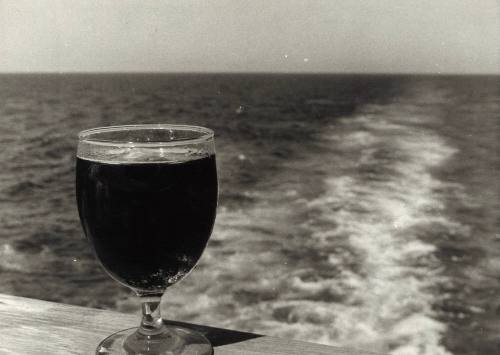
31, 327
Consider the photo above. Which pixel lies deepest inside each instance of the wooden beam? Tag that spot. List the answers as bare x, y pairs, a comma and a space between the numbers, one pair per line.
32, 327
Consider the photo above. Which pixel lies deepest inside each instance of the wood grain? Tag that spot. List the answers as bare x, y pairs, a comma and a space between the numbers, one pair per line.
29, 326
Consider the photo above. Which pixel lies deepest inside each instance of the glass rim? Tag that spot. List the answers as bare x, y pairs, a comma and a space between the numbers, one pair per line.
86, 135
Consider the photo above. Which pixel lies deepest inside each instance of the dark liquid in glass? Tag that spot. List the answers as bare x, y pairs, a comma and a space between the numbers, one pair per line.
148, 222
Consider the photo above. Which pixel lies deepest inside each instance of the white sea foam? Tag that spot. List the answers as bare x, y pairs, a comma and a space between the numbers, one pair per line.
12, 260
393, 302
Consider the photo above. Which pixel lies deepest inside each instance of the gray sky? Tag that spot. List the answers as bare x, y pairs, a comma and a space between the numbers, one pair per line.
437, 36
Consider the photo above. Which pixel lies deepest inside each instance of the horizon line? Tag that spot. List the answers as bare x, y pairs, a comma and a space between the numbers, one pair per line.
246, 73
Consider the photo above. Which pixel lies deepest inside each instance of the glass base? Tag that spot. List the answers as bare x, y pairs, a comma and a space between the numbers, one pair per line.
174, 341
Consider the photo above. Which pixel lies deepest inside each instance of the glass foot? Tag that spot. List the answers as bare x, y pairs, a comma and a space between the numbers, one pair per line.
174, 341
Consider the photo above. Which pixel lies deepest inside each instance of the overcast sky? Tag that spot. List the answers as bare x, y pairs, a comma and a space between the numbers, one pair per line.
437, 36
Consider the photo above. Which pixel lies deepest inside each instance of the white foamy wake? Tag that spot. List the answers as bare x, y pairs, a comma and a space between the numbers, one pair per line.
392, 296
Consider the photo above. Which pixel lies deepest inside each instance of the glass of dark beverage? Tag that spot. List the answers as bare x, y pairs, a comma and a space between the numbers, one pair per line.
147, 198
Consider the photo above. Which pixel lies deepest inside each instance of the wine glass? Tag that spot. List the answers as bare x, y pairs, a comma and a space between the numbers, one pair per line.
147, 198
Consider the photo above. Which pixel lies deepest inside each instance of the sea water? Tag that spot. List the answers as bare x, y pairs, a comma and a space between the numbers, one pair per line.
354, 210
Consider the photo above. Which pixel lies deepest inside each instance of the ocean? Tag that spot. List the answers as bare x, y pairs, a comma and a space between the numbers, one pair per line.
354, 210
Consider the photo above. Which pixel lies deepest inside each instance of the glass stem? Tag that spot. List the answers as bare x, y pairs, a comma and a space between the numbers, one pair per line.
151, 323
